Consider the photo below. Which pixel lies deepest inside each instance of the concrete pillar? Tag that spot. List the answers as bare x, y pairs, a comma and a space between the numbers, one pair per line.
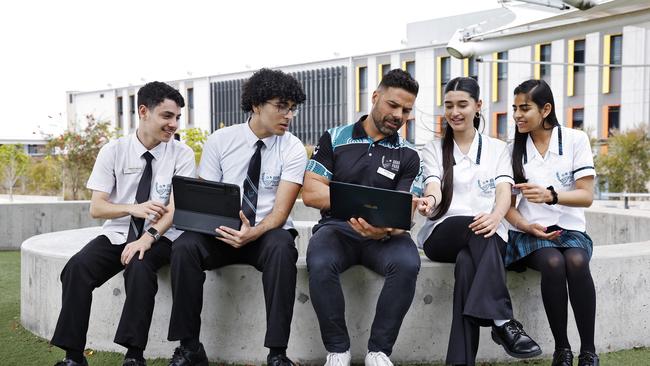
424, 118
558, 76
592, 85
635, 81
517, 73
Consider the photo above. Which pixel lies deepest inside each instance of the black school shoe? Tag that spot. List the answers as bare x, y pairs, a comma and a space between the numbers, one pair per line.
279, 360
183, 356
134, 362
562, 357
68, 362
587, 358
514, 340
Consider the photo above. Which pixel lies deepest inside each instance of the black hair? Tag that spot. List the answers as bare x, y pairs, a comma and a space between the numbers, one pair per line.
470, 86
267, 84
155, 92
540, 93
398, 78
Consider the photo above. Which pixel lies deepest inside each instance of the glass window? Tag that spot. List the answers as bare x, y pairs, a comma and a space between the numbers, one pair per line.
502, 126
363, 89
616, 48
445, 63
502, 66
132, 108
579, 54
190, 107
545, 55
613, 114
410, 68
385, 69
578, 118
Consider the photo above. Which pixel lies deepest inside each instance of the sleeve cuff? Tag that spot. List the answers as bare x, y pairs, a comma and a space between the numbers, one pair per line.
318, 168
504, 179
432, 178
583, 172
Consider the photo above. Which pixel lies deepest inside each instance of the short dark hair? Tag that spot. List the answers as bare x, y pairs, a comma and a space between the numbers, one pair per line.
267, 84
398, 78
155, 92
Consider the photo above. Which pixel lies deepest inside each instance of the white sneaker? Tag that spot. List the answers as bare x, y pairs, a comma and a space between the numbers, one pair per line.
338, 359
377, 359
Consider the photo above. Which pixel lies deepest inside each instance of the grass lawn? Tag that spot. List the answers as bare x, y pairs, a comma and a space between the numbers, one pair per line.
19, 347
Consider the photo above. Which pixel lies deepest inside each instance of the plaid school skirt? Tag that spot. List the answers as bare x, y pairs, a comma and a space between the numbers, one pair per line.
521, 245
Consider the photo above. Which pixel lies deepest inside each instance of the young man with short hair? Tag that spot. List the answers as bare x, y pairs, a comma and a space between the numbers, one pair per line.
131, 184
370, 153
268, 164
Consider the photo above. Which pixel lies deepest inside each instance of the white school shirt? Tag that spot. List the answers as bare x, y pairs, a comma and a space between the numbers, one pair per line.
476, 175
119, 167
567, 159
228, 151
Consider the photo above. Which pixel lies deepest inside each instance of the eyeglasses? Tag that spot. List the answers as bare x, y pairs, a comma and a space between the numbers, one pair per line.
283, 109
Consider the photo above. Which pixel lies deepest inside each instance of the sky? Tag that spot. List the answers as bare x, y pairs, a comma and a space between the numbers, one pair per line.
50, 47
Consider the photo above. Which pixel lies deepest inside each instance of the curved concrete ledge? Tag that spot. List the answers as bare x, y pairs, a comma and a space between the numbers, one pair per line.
234, 316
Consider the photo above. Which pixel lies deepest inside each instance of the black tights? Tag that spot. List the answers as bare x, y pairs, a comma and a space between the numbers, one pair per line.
560, 267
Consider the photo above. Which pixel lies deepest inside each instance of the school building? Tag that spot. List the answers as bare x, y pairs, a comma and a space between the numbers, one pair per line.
600, 78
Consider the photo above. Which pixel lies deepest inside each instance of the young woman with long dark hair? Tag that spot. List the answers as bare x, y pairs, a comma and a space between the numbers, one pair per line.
468, 179
554, 171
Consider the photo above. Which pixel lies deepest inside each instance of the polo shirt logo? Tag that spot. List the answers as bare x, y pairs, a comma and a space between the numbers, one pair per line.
487, 186
389, 164
163, 190
270, 181
566, 178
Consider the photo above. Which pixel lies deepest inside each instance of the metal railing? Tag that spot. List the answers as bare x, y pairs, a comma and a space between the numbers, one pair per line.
625, 195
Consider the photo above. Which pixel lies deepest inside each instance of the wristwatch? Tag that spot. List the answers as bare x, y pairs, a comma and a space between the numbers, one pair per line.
553, 195
154, 233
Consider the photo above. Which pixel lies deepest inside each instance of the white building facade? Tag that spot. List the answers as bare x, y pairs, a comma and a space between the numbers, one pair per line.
598, 99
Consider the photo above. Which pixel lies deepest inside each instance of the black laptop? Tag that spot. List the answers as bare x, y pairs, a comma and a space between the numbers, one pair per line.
203, 205
380, 207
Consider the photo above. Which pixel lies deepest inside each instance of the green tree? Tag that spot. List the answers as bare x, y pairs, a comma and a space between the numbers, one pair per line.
195, 138
44, 176
626, 165
77, 151
13, 165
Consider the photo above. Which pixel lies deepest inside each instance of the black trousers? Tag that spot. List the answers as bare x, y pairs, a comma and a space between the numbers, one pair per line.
480, 292
274, 254
95, 264
333, 249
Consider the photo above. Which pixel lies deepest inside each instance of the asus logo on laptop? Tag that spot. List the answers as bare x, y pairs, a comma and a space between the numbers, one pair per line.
372, 207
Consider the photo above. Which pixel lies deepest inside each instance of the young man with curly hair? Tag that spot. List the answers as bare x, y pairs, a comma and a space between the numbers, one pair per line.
268, 164
131, 184
369, 152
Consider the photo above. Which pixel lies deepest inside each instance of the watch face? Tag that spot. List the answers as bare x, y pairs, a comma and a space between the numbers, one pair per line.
153, 232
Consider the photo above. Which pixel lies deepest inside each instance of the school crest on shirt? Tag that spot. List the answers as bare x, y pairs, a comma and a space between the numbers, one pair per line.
565, 178
486, 186
162, 191
389, 164
270, 181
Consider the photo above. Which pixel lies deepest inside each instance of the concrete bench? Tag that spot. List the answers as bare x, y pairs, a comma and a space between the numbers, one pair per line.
234, 316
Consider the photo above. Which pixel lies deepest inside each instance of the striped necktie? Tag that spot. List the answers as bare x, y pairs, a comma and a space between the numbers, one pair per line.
249, 200
141, 195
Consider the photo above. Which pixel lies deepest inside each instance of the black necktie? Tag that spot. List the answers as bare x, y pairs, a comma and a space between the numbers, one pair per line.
249, 200
142, 195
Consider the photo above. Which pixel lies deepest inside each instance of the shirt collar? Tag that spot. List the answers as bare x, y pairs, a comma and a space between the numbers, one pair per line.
554, 146
475, 150
140, 149
251, 138
359, 132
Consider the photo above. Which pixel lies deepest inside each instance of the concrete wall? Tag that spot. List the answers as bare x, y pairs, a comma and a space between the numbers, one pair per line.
233, 299
19, 221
